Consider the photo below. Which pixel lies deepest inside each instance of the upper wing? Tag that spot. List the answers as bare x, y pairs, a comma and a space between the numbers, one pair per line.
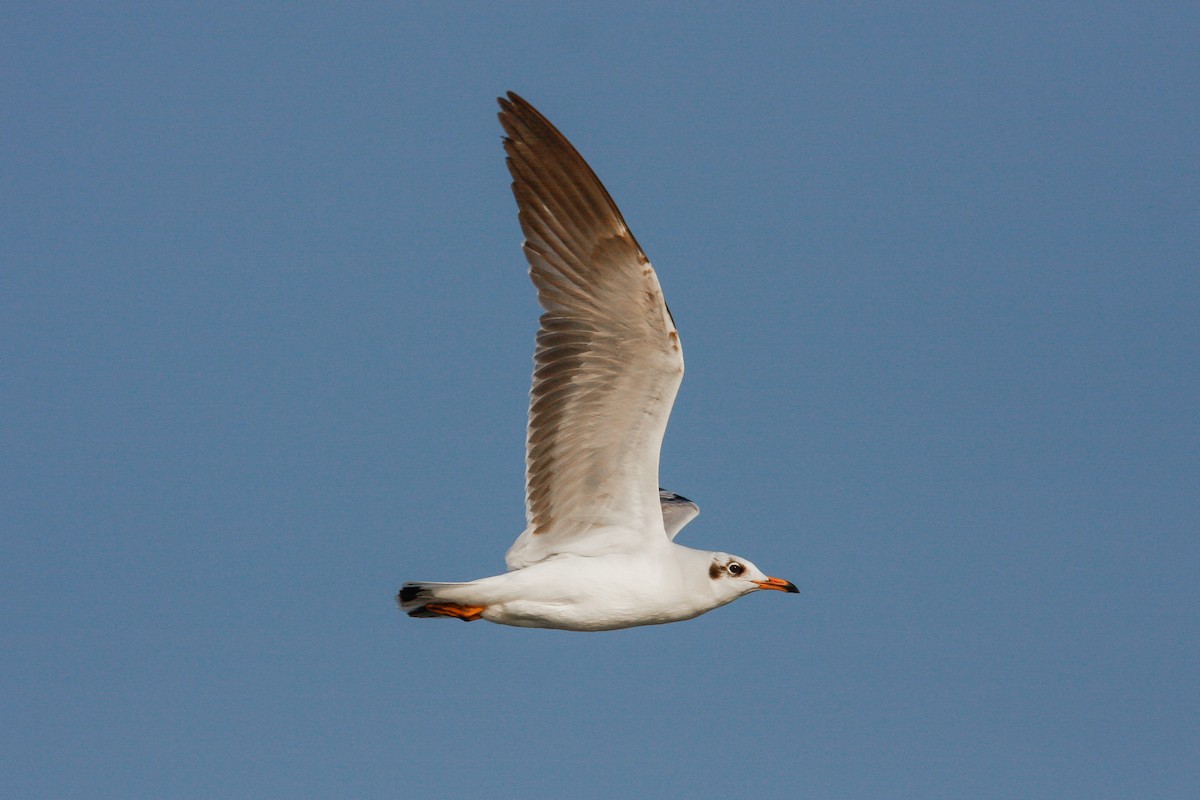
677, 511
608, 361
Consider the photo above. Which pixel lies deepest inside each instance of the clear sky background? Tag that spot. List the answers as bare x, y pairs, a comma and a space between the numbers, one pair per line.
265, 345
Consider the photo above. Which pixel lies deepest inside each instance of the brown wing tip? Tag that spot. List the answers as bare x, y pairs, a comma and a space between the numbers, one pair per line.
513, 105
511, 100
521, 121
530, 138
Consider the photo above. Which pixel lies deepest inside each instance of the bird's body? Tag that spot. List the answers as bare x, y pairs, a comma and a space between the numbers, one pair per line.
596, 593
578, 593
598, 552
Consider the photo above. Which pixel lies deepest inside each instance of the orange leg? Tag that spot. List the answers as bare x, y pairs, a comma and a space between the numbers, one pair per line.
465, 613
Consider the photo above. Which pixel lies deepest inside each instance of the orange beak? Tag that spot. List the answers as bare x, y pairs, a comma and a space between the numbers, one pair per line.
779, 585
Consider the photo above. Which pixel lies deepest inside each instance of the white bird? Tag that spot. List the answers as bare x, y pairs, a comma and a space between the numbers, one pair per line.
598, 552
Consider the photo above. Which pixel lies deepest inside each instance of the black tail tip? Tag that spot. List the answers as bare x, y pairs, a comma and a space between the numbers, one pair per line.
408, 594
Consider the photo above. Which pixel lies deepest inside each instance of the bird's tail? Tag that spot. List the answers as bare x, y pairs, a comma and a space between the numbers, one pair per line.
426, 599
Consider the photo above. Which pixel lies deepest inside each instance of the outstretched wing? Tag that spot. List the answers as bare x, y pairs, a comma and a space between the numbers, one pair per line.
607, 363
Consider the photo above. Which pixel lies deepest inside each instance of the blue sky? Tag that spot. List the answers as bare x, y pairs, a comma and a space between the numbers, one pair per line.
265, 349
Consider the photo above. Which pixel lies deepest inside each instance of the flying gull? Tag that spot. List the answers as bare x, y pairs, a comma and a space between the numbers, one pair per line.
598, 552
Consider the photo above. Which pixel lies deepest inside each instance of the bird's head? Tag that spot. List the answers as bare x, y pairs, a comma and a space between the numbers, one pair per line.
733, 577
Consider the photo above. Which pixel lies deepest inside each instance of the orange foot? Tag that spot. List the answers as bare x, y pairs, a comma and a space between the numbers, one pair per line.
465, 613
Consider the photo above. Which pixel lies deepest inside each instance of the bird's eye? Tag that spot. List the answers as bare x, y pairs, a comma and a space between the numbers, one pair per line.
736, 568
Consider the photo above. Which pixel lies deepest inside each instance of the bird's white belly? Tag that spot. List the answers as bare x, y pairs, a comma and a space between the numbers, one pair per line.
591, 594
582, 616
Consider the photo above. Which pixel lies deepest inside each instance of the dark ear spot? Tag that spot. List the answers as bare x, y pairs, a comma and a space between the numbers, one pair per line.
715, 571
